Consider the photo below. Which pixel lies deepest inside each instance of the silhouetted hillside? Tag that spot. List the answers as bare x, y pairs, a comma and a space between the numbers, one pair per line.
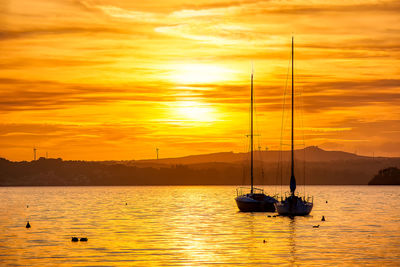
388, 176
312, 153
271, 167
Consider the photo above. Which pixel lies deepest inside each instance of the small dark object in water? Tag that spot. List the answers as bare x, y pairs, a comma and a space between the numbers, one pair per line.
126, 203
74, 239
274, 216
28, 225
269, 216
83, 239
327, 201
264, 241
27, 206
323, 218
316, 226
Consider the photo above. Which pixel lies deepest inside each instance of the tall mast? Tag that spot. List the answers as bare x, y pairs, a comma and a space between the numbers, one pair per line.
292, 178
251, 133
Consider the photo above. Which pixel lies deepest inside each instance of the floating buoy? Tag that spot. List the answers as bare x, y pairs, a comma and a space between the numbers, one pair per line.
316, 226
274, 216
27, 206
269, 216
83, 239
126, 203
74, 239
323, 218
264, 241
327, 201
28, 225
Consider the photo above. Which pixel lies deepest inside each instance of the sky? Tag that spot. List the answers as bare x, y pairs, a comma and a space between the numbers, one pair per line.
103, 80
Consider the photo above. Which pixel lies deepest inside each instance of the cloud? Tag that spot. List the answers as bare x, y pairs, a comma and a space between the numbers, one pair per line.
117, 12
211, 12
51, 31
51, 62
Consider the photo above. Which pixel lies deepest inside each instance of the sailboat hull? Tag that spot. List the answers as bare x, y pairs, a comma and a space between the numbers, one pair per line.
293, 206
255, 203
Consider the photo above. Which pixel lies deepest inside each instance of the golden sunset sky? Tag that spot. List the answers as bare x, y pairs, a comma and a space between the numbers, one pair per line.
102, 79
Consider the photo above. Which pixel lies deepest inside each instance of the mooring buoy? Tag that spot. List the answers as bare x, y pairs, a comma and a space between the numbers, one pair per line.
28, 225
74, 239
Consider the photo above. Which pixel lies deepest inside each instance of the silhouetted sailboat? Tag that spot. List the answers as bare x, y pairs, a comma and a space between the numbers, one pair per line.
293, 205
255, 200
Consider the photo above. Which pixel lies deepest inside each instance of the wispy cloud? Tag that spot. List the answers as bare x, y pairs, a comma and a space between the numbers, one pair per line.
117, 12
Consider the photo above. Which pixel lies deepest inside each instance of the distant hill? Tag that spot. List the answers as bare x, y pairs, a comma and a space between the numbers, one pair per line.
388, 176
225, 168
312, 154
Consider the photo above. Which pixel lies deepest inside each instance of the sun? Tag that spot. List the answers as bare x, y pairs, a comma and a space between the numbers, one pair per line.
194, 111
199, 73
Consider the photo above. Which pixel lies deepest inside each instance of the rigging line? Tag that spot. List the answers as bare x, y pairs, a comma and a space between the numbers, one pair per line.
301, 116
257, 134
304, 140
280, 163
256, 128
255, 123
248, 142
259, 141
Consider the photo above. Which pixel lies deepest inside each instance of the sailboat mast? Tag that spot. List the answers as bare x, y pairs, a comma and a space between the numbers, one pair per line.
292, 167
292, 177
251, 134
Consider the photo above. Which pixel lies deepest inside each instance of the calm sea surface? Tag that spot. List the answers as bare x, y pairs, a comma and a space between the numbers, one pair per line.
195, 225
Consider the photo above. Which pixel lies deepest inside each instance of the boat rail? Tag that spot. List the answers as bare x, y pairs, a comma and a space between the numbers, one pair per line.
307, 198
246, 190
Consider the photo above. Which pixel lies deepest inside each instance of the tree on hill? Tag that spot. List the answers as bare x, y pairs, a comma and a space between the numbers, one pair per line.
388, 176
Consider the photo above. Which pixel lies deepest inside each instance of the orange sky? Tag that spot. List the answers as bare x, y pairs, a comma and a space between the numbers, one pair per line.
103, 79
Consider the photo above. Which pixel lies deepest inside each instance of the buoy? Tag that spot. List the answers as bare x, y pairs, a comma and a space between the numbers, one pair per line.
74, 239
316, 226
269, 216
27, 206
126, 203
323, 218
274, 216
264, 241
83, 239
28, 225
327, 201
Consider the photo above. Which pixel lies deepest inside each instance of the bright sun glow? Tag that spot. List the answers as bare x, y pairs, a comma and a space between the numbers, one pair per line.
194, 111
199, 73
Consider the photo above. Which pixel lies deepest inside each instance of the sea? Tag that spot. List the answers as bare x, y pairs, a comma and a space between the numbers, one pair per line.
196, 226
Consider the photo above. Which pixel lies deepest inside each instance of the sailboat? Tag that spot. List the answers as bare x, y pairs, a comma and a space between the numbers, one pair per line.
255, 200
293, 205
